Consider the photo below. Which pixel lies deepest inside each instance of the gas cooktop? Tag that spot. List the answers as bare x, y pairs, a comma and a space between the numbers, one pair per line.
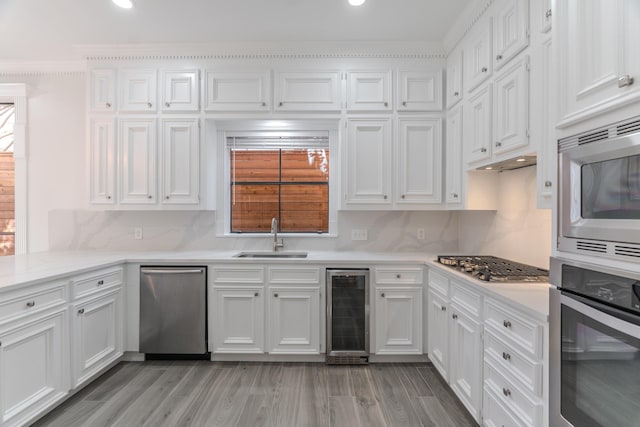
494, 269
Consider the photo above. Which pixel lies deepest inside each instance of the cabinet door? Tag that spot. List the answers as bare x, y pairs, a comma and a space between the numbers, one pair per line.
511, 108
97, 335
438, 333
398, 320
237, 319
369, 91
466, 360
238, 91
33, 367
511, 30
453, 174
419, 161
419, 90
138, 90
478, 122
180, 90
598, 39
294, 320
368, 162
454, 78
180, 161
545, 110
137, 151
102, 91
478, 60
102, 161
308, 91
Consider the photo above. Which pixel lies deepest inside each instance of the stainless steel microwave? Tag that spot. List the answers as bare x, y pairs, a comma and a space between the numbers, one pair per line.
599, 195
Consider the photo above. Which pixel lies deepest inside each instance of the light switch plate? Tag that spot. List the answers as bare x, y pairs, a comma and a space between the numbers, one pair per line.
360, 234
137, 233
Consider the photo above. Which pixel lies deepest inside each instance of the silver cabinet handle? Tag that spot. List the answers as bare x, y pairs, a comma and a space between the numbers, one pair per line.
256, 294
264, 104
100, 282
454, 195
81, 311
149, 105
171, 271
279, 104
149, 196
454, 316
456, 93
275, 295
382, 295
483, 150
484, 69
166, 104
506, 356
385, 197
31, 304
548, 184
108, 197
402, 197
506, 323
498, 144
166, 197
498, 57
625, 80
398, 276
443, 308
108, 104
548, 14
404, 103
386, 104
506, 392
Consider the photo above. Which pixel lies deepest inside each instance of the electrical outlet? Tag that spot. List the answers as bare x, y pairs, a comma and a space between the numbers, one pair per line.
359, 234
420, 234
137, 233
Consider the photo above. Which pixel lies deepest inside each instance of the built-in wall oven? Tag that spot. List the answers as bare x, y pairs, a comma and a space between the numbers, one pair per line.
599, 195
347, 316
594, 346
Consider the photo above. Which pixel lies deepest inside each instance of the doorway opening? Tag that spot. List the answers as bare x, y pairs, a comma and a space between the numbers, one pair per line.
7, 180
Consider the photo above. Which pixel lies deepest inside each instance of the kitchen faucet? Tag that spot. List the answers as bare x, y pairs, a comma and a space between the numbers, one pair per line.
274, 230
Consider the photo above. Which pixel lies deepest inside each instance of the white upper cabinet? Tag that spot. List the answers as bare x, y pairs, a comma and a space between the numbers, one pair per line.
138, 90
453, 166
180, 90
102, 160
478, 123
511, 107
511, 30
478, 62
369, 91
419, 161
367, 168
599, 64
454, 78
180, 161
419, 90
238, 91
137, 152
102, 91
307, 91
543, 13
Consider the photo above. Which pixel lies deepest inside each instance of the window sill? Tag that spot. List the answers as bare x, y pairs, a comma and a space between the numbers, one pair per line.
280, 235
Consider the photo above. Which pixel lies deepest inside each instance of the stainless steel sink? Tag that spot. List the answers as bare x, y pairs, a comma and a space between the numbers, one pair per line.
268, 254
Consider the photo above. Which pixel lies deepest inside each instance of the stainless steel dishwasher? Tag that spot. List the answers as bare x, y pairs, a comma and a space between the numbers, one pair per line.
173, 310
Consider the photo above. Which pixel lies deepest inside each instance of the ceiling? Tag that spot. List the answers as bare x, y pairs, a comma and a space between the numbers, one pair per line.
49, 30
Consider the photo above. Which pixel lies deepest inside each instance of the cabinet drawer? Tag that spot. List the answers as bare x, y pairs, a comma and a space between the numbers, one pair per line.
403, 276
95, 282
20, 303
294, 275
510, 395
522, 368
495, 414
237, 275
525, 332
466, 299
439, 282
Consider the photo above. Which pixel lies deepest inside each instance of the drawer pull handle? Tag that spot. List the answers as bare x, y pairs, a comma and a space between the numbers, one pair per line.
506, 392
443, 308
279, 104
256, 294
506, 356
484, 69
81, 311
506, 323
398, 276
31, 304
275, 295
456, 93
454, 316
404, 103
166, 104
483, 150
382, 295
100, 282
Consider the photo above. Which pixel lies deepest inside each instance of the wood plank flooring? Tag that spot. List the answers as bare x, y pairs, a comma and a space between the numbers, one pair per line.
200, 393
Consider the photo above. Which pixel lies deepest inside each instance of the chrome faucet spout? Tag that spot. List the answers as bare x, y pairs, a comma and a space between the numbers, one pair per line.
274, 230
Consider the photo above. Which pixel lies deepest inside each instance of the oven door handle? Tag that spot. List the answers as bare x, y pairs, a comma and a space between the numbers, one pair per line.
603, 308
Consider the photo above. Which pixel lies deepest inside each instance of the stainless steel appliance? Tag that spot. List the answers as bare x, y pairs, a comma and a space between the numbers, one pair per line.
347, 316
594, 372
494, 269
599, 195
173, 310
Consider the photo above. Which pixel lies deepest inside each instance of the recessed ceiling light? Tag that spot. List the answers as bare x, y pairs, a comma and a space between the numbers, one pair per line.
125, 4
521, 160
488, 168
356, 2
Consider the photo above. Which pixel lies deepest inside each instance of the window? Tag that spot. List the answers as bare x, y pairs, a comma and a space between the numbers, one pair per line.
284, 177
7, 180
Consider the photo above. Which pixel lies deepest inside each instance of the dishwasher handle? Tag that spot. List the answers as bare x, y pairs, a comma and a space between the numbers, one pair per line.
171, 271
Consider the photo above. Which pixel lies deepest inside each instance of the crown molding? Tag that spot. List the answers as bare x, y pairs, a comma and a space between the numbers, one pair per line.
38, 68
465, 23
265, 50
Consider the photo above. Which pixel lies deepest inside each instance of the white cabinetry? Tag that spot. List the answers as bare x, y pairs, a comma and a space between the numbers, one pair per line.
478, 124
369, 91
102, 161
138, 90
438, 323
511, 108
102, 91
453, 157
138, 161
238, 91
599, 65
478, 62
511, 30
454, 77
419, 161
544, 12
398, 310
180, 161
180, 90
419, 90
308, 91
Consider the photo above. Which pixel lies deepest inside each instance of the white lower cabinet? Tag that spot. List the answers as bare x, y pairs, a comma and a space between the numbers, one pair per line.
97, 334
438, 325
398, 320
34, 354
238, 319
294, 320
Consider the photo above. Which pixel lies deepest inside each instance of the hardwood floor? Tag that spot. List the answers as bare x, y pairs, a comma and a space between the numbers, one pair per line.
200, 393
